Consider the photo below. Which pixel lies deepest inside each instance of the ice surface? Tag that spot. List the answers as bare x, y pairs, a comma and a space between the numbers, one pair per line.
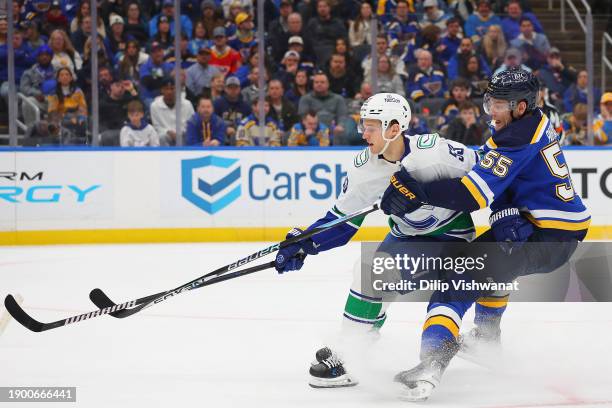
249, 342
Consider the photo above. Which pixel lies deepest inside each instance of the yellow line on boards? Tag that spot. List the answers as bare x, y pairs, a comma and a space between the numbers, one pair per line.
170, 235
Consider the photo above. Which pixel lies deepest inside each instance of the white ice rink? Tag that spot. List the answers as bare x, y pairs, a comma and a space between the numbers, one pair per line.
248, 342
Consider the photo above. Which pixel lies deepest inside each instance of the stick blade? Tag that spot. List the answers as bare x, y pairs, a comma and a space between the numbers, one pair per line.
15, 310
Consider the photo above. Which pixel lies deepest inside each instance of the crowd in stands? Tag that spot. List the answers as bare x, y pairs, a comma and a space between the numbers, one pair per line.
318, 69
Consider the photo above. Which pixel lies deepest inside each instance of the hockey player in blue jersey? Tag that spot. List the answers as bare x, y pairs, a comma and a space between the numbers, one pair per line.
523, 177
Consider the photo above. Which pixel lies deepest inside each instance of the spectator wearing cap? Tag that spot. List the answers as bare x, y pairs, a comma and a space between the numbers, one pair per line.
282, 110
34, 79
23, 60
248, 133
330, 107
152, 73
323, 30
465, 51
244, 38
534, 45
113, 105
479, 22
309, 132
199, 75
281, 42
556, 76
433, 15
137, 132
135, 25
223, 56
449, 43
426, 81
403, 26
342, 81
296, 44
205, 128
578, 91
199, 38
168, 12
163, 113
117, 39
512, 59
603, 123
251, 91
288, 68
511, 23
231, 106
55, 18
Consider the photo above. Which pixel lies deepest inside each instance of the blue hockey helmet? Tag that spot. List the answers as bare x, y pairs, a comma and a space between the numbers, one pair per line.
513, 85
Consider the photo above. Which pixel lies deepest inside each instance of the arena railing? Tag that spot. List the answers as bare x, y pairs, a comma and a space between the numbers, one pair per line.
587, 27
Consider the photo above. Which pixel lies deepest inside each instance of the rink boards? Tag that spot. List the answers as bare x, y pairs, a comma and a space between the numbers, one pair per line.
224, 194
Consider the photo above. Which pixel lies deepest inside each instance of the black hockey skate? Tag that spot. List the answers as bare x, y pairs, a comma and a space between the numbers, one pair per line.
419, 382
328, 371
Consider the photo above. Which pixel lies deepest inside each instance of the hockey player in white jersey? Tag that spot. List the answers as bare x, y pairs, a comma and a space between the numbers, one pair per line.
384, 119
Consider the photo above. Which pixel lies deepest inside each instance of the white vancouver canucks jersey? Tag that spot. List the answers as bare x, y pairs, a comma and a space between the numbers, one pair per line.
428, 157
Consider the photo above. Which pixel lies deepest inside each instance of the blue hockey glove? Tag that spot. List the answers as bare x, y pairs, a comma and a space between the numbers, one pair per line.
291, 257
510, 229
404, 194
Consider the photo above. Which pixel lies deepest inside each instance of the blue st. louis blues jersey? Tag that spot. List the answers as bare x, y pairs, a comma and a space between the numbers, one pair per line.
523, 165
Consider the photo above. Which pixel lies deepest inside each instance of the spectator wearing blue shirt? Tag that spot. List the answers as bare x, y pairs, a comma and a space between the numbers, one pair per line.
34, 79
199, 75
152, 74
478, 22
198, 39
511, 23
168, 11
433, 15
534, 45
244, 38
451, 40
578, 91
205, 128
426, 82
23, 60
231, 106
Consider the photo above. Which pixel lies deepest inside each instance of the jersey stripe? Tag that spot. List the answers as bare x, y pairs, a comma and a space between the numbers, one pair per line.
540, 130
474, 191
559, 215
491, 143
446, 311
558, 224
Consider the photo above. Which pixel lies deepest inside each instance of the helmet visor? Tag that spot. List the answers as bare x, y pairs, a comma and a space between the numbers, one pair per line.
492, 105
362, 127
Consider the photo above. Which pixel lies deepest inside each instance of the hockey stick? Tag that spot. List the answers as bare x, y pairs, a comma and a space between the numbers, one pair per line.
100, 299
12, 305
137, 305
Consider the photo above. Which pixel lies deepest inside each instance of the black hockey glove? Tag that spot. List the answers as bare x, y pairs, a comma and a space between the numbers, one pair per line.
404, 194
510, 229
291, 257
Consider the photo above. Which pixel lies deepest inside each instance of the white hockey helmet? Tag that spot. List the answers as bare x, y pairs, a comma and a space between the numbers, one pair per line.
386, 107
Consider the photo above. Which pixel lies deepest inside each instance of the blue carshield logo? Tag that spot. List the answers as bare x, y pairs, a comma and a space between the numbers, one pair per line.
211, 183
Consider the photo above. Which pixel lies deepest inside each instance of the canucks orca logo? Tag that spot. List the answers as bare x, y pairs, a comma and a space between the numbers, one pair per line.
211, 183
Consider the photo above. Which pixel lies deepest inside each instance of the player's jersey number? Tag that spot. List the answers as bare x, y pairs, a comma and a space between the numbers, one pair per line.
498, 162
565, 191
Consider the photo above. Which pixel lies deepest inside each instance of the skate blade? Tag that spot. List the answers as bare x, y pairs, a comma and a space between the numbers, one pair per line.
421, 392
342, 381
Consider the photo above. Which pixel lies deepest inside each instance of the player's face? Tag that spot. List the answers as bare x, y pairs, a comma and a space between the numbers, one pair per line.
499, 110
371, 132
